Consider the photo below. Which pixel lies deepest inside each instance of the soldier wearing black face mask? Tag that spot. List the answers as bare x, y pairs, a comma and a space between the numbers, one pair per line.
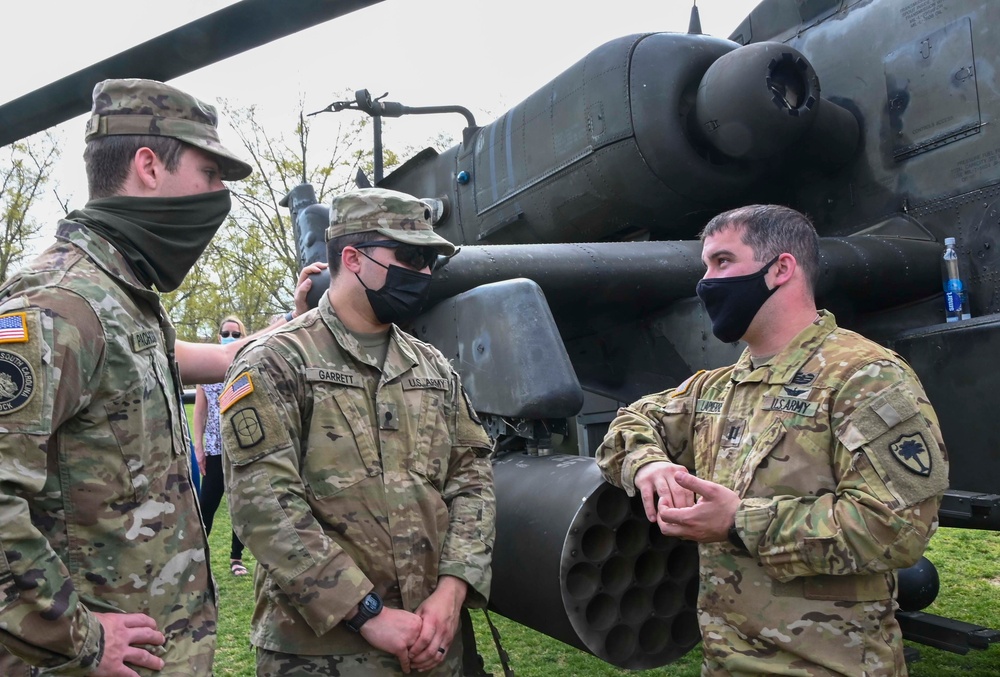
365, 440
816, 465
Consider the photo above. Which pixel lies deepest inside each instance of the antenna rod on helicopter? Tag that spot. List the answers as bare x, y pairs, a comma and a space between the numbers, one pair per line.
378, 109
694, 25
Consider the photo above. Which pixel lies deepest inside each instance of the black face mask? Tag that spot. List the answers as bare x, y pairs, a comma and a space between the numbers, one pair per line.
401, 297
733, 302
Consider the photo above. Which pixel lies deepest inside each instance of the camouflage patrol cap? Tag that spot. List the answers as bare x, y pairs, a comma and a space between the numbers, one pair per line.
148, 107
398, 216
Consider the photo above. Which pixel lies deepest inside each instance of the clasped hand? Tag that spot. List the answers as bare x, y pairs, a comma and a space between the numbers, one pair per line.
685, 506
420, 640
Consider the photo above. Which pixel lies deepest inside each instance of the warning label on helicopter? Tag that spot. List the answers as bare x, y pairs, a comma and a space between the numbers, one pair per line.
977, 164
920, 11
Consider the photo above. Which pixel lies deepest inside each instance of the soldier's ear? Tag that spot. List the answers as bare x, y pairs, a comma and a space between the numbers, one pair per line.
784, 268
146, 169
350, 258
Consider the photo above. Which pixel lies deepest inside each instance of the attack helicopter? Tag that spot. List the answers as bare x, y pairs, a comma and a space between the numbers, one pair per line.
578, 212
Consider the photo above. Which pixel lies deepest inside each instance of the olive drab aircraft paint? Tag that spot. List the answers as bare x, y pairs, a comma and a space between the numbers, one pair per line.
578, 212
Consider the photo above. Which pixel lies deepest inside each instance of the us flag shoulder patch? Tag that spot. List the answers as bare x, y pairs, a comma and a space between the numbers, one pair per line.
14, 328
237, 389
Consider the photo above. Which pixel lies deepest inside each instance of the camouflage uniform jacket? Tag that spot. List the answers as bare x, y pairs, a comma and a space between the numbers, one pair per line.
344, 478
838, 458
97, 510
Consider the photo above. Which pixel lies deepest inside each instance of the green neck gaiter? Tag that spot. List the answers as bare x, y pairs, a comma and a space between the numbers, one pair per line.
161, 237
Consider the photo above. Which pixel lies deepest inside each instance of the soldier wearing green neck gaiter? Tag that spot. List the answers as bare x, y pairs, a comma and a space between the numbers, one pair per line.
98, 511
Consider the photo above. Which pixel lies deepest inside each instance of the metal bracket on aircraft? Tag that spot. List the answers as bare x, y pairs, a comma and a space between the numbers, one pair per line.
970, 510
945, 633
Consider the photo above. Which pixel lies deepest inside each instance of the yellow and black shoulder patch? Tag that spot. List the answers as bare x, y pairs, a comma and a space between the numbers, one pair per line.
235, 390
14, 328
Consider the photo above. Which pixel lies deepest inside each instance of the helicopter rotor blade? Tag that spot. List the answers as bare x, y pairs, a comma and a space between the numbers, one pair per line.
211, 38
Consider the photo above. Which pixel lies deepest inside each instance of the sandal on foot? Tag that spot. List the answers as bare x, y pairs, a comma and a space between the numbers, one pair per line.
237, 568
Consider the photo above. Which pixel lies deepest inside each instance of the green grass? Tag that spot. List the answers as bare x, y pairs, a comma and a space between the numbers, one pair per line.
968, 563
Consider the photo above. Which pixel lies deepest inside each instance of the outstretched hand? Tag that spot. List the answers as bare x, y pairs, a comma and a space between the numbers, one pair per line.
708, 520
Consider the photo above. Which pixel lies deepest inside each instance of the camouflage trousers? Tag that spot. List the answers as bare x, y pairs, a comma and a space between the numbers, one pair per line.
370, 664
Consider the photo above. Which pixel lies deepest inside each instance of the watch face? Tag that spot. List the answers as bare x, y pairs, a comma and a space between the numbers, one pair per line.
371, 604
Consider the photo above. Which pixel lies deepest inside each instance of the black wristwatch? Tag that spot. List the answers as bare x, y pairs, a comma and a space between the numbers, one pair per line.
369, 608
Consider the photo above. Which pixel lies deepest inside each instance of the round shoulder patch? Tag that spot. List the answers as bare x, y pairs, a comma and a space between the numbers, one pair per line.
17, 382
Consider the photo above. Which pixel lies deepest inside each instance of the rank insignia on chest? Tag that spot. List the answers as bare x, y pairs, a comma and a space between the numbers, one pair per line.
237, 389
732, 432
911, 451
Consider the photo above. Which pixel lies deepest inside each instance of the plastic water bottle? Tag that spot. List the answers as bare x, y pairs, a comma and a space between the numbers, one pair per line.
956, 299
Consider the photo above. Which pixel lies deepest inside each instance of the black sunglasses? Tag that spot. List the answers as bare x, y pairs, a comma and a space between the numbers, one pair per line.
411, 255
227, 334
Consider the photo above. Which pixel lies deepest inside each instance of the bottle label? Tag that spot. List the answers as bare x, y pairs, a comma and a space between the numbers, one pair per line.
953, 301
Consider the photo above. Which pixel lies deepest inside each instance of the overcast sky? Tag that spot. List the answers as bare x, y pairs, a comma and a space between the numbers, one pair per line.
487, 56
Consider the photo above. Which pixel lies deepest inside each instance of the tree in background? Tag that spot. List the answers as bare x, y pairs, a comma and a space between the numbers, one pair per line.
25, 169
250, 267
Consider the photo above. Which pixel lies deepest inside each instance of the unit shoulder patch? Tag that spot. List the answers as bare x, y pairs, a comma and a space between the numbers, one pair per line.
247, 427
17, 382
911, 450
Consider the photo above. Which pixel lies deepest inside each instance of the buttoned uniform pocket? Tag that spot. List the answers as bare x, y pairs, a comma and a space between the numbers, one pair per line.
340, 449
428, 434
139, 419
764, 445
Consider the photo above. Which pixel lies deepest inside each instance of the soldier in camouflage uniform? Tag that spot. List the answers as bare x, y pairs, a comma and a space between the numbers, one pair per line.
357, 471
104, 556
819, 462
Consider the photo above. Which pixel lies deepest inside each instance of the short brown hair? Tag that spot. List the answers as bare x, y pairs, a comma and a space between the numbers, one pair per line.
108, 159
770, 230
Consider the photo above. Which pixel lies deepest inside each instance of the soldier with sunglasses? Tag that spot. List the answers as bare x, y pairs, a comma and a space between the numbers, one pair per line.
357, 471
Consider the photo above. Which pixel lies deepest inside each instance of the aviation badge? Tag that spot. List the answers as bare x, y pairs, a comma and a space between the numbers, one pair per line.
911, 451
17, 382
246, 425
